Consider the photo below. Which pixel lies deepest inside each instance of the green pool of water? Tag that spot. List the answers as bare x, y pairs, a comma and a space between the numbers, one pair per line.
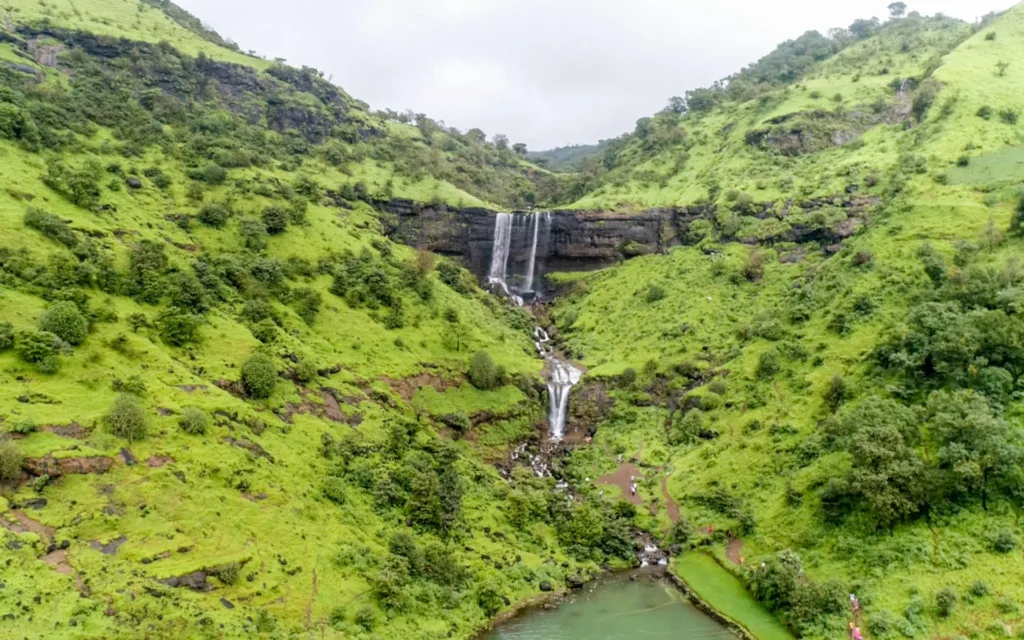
614, 609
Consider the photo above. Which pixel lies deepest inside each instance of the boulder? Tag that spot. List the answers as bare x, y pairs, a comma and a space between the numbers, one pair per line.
545, 586
133, 182
575, 581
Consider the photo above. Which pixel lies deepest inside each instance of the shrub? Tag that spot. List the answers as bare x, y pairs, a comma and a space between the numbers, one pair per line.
768, 364
628, 378
753, 268
836, 392
275, 219
334, 489
214, 215
265, 331
254, 234
51, 226
366, 617
490, 599
963, 161
11, 460
126, 418
193, 421
23, 426
305, 370
1004, 541
137, 321
1009, 116
65, 321
985, 112
945, 602
259, 375
133, 385
654, 294
483, 373
6, 336
682, 531
718, 386
227, 573
34, 347
178, 328
979, 589
212, 174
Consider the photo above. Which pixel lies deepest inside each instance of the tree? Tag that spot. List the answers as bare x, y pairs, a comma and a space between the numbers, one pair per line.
126, 418
450, 488
897, 10
836, 392
259, 375
677, 105
520, 149
862, 29
275, 220
483, 373
991, 235
65, 321
11, 460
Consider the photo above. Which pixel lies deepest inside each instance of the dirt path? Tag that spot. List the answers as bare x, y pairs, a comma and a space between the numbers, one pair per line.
621, 480
734, 551
672, 505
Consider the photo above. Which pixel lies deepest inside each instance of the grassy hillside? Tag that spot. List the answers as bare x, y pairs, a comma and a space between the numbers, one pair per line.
847, 417
232, 408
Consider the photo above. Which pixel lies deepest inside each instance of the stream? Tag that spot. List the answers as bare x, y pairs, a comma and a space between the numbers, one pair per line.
615, 608
521, 231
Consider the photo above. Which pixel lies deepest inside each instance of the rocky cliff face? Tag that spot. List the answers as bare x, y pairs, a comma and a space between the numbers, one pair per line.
587, 240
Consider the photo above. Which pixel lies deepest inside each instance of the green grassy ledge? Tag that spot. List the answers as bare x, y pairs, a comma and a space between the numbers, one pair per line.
723, 592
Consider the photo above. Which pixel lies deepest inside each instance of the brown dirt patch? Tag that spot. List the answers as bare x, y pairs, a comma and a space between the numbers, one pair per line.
19, 522
672, 505
621, 480
407, 387
249, 446
55, 467
189, 388
73, 430
734, 551
59, 561
159, 461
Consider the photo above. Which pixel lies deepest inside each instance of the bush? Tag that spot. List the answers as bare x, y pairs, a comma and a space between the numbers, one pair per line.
768, 364
11, 460
1009, 116
34, 347
985, 112
275, 219
133, 385
366, 617
753, 268
628, 378
193, 421
178, 328
6, 336
1004, 541
212, 174
51, 226
718, 386
214, 215
945, 602
265, 331
254, 234
979, 589
305, 370
836, 392
259, 375
963, 161
334, 489
23, 426
483, 373
126, 418
227, 573
65, 321
654, 294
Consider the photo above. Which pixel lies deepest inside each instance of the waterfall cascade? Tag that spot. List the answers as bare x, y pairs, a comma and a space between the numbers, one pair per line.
562, 376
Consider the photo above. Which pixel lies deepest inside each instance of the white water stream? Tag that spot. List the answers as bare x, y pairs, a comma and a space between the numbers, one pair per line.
562, 376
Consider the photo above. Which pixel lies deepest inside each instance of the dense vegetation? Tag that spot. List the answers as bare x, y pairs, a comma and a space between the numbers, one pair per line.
830, 366
234, 407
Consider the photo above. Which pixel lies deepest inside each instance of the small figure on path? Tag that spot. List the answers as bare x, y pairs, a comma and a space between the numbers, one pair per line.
633, 488
856, 634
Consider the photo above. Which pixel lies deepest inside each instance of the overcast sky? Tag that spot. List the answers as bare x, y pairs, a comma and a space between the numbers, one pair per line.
543, 72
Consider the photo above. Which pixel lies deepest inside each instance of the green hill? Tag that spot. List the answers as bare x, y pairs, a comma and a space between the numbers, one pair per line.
232, 407
848, 405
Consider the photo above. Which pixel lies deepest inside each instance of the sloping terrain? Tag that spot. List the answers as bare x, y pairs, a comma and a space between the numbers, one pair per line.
840, 414
231, 407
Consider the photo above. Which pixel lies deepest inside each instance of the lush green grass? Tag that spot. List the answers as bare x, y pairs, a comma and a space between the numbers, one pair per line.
726, 594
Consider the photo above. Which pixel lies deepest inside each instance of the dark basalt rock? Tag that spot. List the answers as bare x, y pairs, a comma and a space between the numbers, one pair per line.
545, 586
575, 581
133, 182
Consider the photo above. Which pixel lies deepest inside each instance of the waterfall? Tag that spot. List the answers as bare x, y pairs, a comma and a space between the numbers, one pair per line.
502, 244
532, 264
561, 380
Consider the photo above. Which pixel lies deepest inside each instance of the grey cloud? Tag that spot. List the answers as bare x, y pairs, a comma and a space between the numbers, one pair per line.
544, 72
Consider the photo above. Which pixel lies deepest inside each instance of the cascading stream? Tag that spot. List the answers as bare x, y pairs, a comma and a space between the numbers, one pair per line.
562, 376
